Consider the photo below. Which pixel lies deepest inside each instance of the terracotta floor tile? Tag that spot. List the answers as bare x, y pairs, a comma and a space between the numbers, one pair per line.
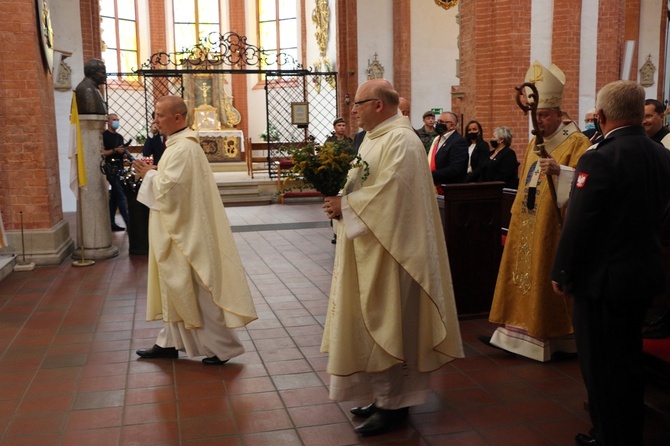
249, 385
491, 416
254, 402
97, 400
317, 415
274, 438
97, 437
48, 422
69, 374
203, 407
305, 397
150, 395
296, 381
515, 435
94, 419
207, 427
269, 420
45, 404
338, 434
166, 432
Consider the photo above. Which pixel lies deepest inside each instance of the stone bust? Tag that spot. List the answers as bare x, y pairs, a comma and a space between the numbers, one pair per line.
89, 99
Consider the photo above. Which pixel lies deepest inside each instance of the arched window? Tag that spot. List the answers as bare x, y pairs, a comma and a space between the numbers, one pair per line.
278, 28
193, 20
119, 35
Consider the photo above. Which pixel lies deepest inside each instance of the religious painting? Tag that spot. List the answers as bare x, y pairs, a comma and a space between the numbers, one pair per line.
208, 90
203, 90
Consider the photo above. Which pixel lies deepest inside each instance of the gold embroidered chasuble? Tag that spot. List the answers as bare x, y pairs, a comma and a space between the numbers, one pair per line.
189, 235
523, 296
403, 235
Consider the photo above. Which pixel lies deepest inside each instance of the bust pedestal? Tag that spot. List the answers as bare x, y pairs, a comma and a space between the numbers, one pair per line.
95, 233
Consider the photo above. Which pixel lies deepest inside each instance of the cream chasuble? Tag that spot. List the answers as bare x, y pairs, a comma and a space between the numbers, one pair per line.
523, 296
189, 235
397, 237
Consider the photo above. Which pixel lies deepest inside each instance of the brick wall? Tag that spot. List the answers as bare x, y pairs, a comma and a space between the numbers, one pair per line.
565, 51
611, 19
494, 58
402, 46
29, 176
90, 28
239, 83
347, 59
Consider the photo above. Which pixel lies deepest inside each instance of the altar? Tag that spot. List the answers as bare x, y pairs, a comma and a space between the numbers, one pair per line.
222, 145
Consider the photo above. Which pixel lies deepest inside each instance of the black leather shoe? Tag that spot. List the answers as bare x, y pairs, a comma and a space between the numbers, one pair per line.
158, 352
382, 421
364, 411
334, 240
585, 440
117, 228
214, 360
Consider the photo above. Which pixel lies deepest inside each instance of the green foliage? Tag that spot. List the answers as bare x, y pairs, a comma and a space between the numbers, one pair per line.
272, 131
323, 167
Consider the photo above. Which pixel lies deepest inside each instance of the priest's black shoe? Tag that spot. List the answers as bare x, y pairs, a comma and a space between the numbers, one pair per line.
214, 360
117, 228
364, 411
382, 421
585, 440
158, 352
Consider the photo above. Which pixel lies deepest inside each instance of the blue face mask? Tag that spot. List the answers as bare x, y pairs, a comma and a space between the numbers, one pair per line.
115, 125
590, 126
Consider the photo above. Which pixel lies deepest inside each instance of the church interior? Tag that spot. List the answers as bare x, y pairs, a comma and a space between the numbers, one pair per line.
256, 75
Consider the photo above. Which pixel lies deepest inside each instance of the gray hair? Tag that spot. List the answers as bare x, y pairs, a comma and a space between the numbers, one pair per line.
504, 133
622, 101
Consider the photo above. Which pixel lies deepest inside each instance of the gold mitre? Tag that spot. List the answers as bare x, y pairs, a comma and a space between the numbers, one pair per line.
549, 83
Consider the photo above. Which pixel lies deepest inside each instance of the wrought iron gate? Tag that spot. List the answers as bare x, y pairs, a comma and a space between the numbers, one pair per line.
133, 95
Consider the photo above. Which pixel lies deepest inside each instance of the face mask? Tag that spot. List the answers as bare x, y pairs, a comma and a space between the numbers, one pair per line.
596, 124
590, 126
441, 128
494, 143
471, 136
115, 125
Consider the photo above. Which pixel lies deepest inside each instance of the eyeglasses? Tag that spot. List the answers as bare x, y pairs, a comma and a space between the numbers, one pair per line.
439, 121
356, 104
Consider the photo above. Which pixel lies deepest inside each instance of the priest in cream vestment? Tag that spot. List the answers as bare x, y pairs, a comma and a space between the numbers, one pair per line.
391, 316
538, 323
196, 282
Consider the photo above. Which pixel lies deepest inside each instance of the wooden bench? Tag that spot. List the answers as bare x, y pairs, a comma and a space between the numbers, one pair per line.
256, 157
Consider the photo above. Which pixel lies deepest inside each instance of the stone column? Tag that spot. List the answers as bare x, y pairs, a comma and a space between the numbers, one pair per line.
93, 202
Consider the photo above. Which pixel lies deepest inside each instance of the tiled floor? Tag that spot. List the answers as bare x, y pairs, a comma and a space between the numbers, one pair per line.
69, 374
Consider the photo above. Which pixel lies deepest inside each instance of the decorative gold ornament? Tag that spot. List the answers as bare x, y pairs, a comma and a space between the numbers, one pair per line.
321, 19
446, 4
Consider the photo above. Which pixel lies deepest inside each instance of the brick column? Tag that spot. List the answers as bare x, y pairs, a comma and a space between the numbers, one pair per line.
494, 58
565, 51
90, 28
632, 32
239, 82
611, 17
347, 59
157, 27
402, 46
29, 175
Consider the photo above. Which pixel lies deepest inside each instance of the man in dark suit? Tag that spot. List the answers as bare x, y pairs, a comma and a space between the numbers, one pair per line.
448, 156
609, 259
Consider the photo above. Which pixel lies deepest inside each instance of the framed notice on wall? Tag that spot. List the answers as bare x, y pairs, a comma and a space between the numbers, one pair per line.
300, 114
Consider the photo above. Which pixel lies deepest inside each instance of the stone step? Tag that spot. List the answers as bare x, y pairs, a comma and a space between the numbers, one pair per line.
246, 201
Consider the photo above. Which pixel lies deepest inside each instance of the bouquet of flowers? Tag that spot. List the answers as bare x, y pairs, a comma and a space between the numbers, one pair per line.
323, 167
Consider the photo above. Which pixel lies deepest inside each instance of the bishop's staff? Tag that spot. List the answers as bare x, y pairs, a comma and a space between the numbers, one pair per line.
531, 106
